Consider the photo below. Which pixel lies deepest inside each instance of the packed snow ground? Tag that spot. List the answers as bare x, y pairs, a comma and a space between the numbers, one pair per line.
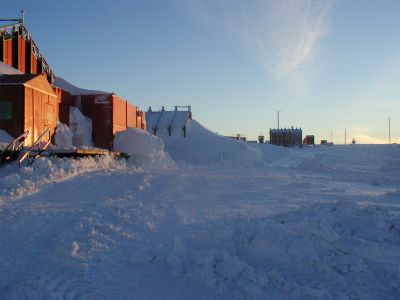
310, 223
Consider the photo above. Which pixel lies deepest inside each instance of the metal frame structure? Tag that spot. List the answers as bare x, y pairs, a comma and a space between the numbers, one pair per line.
16, 29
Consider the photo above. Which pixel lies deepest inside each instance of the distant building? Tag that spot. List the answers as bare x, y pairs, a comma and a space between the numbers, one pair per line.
288, 137
239, 137
326, 143
309, 140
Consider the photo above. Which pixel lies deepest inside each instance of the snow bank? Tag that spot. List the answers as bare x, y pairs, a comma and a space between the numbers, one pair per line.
81, 128
5, 137
141, 146
322, 251
63, 136
17, 182
201, 146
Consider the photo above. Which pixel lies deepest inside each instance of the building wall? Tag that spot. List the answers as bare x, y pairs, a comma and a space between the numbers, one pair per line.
22, 55
31, 109
119, 117
286, 137
11, 100
98, 109
41, 111
66, 101
110, 114
7, 52
131, 116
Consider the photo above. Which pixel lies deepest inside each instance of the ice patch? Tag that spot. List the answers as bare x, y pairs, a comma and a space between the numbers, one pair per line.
74, 248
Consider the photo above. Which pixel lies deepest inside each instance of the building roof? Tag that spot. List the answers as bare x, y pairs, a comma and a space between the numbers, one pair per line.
34, 81
285, 130
8, 70
164, 119
74, 90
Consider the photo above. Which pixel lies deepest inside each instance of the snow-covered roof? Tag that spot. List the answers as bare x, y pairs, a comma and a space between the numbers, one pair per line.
74, 90
8, 70
166, 119
35, 81
285, 130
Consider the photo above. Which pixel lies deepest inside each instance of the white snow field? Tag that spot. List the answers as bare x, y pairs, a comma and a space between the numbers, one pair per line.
222, 220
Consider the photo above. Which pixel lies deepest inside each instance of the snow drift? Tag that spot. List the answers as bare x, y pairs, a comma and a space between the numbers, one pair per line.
81, 127
141, 146
5, 137
201, 146
63, 136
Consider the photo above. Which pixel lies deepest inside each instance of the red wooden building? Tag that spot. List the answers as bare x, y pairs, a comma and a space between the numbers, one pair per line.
110, 114
34, 103
27, 102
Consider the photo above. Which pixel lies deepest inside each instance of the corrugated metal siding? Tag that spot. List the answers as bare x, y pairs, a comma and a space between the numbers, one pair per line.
7, 52
131, 115
98, 108
65, 100
118, 114
34, 62
21, 54
33, 108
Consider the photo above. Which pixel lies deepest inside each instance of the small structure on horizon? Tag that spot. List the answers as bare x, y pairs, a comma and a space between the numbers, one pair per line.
239, 137
309, 140
288, 137
326, 143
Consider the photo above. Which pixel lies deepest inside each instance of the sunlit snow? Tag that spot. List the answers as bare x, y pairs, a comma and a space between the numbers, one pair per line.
203, 217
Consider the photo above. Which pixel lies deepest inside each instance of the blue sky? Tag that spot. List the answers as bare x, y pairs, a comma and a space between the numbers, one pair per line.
326, 65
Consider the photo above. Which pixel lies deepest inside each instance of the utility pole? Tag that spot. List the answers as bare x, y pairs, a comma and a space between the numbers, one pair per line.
390, 139
345, 137
331, 137
277, 114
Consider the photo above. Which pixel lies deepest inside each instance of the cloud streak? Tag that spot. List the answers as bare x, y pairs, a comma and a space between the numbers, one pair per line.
283, 34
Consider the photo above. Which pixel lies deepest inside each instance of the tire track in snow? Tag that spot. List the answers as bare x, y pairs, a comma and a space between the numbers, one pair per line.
41, 233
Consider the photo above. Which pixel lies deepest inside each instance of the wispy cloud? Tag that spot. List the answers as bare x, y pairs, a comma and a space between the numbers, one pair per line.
283, 34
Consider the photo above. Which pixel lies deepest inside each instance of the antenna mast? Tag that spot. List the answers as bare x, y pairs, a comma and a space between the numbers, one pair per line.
22, 16
390, 139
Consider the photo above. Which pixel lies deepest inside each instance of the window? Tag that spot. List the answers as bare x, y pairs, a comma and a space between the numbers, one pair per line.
5, 110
